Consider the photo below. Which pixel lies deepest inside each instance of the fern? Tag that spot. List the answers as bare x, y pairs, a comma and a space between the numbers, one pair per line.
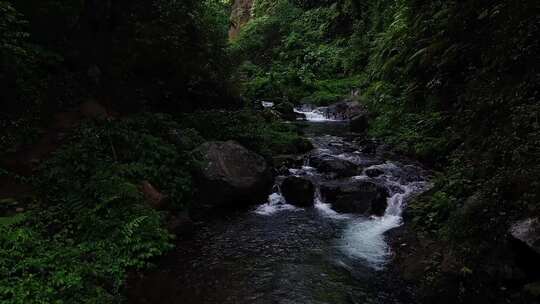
130, 228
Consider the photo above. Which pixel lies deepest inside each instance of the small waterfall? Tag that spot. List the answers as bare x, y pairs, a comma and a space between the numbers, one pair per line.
362, 238
314, 114
276, 202
326, 209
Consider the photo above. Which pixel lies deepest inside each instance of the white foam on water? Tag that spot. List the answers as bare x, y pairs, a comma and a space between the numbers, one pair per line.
305, 170
315, 115
276, 203
360, 177
267, 104
326, 209
364, 238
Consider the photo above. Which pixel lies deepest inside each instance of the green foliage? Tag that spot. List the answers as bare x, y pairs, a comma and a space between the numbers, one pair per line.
12, 34
93, 224
287, 52
118, 154
452, 83
17, 133
162, 54
262, 135
11, 220
38, 268
331, 90
18, 84
445, 87
15, 56
175, 55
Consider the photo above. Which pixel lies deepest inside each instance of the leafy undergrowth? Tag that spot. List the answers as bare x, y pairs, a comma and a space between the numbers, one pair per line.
92, 223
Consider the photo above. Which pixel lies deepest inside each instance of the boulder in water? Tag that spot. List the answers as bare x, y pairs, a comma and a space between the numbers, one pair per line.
288, 160
298, 191
366, 145
230, 175
344, 110
302, 145
336, 166
359, 123
373, 172
286, 110
356, 196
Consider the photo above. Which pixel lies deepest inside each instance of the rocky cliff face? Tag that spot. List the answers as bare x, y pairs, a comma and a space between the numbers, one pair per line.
241, 13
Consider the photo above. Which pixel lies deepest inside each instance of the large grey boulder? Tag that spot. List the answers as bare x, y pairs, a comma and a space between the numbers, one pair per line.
356, 196
335, 166
230, 175
353, 111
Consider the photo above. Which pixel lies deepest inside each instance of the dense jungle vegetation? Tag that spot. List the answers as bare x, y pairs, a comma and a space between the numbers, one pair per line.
451, 83
85, 222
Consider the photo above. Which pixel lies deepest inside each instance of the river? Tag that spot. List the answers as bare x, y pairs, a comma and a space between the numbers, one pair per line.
279, 253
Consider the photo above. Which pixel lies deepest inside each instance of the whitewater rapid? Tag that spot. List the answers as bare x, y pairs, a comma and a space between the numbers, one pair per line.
362, 237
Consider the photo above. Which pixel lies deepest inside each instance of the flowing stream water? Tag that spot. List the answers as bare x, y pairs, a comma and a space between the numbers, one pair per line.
279, 253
